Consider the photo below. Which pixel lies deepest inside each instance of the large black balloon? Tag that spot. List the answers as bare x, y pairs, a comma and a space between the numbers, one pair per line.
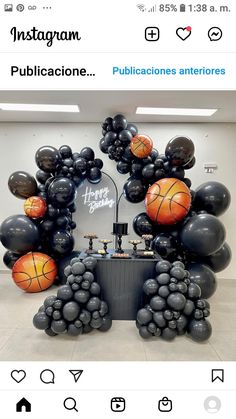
203, 234
203, 276
165, 245
19, 234
62, 242
212, 197
134, 190
10, 258
142, 224
61, 192
219, 260
179, 151
47, 158
22, 185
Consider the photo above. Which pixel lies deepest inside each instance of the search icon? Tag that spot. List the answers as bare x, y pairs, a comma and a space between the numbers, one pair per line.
70, 404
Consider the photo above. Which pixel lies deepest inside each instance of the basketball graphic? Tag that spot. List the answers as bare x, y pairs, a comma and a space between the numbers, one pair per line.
141, 146
167, 201
34, 272
35, 207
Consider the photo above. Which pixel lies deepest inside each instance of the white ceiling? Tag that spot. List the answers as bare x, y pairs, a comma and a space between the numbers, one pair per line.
97, 105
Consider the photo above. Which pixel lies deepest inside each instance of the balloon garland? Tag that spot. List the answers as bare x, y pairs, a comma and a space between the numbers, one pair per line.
183, 222
46, 228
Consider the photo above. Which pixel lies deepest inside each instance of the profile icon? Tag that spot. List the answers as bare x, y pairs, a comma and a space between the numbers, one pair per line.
212, 404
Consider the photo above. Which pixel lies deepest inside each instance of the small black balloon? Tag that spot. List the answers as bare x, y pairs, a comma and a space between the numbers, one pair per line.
65, 151
123, 167
42, 176
87, 153
94, 175
165, 245
98, 163
119, 123
133, 129
10, 258
200, 330
134, 190
103, 145
125, 136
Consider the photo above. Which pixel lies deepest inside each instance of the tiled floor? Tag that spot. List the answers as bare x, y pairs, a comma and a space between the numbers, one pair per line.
19, 340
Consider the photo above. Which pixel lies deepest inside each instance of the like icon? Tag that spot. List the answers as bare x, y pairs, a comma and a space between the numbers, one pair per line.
184, 33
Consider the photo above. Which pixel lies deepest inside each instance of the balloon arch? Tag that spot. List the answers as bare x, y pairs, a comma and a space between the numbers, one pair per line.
186, 234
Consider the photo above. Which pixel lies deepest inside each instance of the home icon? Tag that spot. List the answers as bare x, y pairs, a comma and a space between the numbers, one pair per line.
23, 406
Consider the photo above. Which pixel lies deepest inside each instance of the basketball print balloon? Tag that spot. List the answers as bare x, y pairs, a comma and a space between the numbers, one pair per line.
141, 146
35, 207
34, 272
167, 201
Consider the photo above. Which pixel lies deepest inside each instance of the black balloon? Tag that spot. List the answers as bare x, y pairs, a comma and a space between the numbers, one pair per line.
94, 175
62, 242
48, 158
165, 245
179, 151
148, 171
98, 163
200, 330
19, 234
203, 276
22, 185
42, 176
125, 136
212, 197
203, 234
142, 224
10, 258
134, 190
80, 165
119, 123
123, 167
133, 129
87, 153
61, 192
190, 164
65, 151
219, 260
103, 145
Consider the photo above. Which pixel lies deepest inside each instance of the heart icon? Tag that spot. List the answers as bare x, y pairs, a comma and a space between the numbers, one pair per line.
184, 33
18, 375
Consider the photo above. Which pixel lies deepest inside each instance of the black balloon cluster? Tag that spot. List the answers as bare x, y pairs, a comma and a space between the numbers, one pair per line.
60, 173
173, 305
77, 307
117, 137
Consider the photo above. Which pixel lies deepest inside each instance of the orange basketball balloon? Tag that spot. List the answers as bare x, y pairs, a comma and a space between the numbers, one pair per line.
35, 207
34, 272
141, 146
168, 201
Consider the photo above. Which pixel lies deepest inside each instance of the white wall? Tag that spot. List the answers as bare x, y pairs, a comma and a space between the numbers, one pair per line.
213, 143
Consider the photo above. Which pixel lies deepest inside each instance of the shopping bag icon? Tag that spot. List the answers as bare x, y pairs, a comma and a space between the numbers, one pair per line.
165, 405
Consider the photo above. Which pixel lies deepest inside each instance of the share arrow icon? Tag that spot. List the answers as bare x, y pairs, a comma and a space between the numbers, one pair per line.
76, 374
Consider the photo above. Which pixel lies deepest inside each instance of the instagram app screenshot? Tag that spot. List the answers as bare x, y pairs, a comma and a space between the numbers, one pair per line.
117, 225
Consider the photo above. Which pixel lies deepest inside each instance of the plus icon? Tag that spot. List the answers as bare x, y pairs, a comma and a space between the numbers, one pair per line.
152, 33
